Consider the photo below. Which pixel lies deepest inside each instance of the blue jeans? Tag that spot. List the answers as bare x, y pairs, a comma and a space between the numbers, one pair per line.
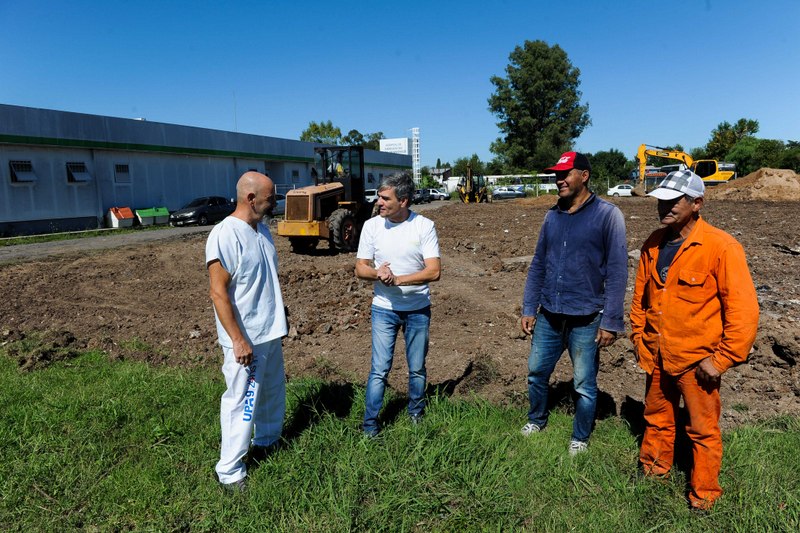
552, 333
385, 325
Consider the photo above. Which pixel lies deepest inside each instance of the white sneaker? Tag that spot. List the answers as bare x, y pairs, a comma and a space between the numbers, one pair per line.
529, 428
576, 447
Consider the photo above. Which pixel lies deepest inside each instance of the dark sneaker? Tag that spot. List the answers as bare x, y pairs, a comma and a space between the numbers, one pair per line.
259, 454
236, 486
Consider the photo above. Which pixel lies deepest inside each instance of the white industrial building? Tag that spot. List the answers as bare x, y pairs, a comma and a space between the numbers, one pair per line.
63, 171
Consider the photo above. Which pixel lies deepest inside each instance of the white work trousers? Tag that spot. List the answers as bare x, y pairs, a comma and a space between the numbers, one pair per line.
255, 399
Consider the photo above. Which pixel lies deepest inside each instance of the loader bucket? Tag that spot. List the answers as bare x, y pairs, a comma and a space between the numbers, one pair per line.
639, 190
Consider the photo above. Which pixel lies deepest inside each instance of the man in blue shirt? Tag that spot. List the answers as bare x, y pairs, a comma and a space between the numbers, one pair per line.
574, 294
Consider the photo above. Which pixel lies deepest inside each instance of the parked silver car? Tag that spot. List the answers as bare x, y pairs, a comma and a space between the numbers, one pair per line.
507, 192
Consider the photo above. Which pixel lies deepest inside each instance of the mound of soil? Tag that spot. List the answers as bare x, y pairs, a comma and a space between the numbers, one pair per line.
767, 184
149, 302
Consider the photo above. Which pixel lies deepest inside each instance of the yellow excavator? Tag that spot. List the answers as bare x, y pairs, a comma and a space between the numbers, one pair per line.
473, 189
710, 170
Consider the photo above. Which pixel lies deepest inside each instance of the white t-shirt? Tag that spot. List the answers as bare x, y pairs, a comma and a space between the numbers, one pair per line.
255, 292
405, 246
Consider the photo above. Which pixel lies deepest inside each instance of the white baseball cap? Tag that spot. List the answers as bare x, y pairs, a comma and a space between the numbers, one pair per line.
678, 183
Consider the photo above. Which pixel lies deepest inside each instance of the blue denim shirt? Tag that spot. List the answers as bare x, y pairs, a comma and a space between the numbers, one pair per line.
580, 265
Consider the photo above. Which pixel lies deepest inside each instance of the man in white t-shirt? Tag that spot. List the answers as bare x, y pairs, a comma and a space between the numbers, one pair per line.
248, 306
399, 251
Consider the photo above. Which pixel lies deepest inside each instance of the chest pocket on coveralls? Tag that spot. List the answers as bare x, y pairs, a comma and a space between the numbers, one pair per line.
690, 285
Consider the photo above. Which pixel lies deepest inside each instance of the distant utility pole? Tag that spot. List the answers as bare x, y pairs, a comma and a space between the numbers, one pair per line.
415, 154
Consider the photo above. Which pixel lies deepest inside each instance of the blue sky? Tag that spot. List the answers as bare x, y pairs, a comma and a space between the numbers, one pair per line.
652, 72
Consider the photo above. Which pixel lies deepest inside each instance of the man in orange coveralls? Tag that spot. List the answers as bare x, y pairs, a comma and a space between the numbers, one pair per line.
694, 315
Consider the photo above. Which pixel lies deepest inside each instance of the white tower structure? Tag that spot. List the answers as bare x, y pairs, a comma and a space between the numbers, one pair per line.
415, 165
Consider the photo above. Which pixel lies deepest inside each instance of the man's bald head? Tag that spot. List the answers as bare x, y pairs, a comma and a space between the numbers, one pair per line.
252, 183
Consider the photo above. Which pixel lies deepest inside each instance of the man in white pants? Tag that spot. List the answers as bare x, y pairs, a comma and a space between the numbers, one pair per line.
243, 270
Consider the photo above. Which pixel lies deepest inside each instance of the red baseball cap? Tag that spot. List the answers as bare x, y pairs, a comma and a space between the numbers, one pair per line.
570, 160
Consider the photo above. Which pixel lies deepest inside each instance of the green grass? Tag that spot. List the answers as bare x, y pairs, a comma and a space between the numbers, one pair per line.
105, 446
70, 235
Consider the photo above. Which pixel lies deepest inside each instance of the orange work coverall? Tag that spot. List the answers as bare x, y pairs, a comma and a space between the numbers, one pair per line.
707, 307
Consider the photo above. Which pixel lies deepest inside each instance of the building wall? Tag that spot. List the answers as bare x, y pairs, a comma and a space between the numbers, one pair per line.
167, 166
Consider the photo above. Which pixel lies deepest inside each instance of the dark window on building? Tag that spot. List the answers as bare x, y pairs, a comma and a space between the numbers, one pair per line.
22, 172
122, 174
78, 173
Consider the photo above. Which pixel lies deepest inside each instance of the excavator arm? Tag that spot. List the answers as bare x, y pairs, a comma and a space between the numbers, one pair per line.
644, 151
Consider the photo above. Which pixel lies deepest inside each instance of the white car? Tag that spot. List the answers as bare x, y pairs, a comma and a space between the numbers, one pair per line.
620, 190
371, 195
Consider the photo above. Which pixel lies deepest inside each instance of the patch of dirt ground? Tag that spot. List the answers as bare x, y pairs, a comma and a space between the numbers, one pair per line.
150, 302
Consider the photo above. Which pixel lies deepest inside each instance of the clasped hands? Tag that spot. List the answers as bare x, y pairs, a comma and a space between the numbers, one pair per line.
385, 275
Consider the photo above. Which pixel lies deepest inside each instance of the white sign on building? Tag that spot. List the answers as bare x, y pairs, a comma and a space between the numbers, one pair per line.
396, 146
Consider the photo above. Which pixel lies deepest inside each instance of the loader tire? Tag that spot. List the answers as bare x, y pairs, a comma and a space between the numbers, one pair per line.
344, 230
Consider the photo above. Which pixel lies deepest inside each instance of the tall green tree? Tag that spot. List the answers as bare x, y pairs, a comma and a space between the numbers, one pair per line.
372, 140
750, 154
791, 156
495, 167
460, 166
322, 132
353, 137
610, 166
327, 133
726, 135
538, 107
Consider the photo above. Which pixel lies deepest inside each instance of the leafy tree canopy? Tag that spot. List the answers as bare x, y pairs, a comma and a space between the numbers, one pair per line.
495, 167
750, 154
538, 107
459, 168
428, 182
327, 133
725, 136
323, 132
353, 137
372, 140
610, 166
